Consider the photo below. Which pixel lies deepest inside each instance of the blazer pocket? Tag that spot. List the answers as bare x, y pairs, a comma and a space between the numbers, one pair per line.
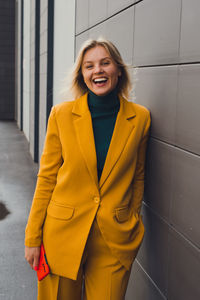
60, 211
122, 214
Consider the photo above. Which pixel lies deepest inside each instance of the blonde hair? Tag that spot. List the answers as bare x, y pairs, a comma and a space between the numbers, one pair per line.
77, 86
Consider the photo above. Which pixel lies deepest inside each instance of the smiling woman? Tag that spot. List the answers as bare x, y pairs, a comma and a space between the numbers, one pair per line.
99, 70
87, 202
112, 56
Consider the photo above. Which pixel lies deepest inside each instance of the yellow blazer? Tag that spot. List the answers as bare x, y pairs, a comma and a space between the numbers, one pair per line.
68, 195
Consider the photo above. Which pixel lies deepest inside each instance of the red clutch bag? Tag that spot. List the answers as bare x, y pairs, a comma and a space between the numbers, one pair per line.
43, 267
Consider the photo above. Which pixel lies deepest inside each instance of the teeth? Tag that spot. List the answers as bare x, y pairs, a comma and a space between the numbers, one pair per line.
100, 79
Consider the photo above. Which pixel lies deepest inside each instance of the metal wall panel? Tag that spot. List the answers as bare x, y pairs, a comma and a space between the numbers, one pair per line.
159, 185
116, 5
119, 29
82, 15
188, 109
184, 266
190, 24
185, 206
80, 39
156, 88
157, 32
153, 254
97, 11
98, 31
141, 287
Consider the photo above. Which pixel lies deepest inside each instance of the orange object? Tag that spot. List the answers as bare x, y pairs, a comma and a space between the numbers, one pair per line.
43, 267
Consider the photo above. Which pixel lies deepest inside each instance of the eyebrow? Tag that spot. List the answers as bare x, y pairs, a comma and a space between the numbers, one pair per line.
88, 61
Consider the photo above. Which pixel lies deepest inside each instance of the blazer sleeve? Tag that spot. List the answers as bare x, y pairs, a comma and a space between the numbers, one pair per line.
50, 162
138, 182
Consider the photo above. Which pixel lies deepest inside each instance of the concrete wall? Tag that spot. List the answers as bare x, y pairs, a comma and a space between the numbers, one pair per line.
32, 77
26, 69
159, 40
64, 21
43, 72
63, 48
7, 59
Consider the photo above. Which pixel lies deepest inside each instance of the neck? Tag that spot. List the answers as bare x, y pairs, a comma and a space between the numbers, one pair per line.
108, 100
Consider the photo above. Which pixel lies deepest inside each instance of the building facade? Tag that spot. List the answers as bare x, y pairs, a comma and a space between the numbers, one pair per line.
7, 59
159, 40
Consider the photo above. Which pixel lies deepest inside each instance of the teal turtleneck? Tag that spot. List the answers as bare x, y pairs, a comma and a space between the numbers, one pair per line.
103, 111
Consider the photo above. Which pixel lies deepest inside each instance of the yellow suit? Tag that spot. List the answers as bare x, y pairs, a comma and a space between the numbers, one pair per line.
68, 195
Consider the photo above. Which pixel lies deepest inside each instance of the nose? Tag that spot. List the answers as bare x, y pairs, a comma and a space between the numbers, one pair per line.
98, 69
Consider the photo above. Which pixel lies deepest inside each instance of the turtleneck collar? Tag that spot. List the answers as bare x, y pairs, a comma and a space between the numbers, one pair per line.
107, 102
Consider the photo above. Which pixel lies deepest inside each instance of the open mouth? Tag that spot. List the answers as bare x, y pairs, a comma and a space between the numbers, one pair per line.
100, 81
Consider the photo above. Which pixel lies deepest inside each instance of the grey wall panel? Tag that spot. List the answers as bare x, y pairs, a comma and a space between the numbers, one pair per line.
43, 63
153, 255
184, 266
119, 29
42, 108
188, 109
116, 5
185, 206
159, 170
141, 286
33, 8
43, 21
32, 108
156, 88
98, 31
82, 15
97, 11
190, 23
43, 74
80, 39
32, 80
43, 42
157, 31
43, 6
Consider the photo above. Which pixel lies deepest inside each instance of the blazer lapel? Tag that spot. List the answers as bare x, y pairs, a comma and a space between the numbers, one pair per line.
122, 130
84, 131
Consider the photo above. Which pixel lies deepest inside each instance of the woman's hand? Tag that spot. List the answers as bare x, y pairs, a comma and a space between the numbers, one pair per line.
32, 255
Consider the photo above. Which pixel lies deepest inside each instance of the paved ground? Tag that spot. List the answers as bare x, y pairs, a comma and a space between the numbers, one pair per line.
17, 182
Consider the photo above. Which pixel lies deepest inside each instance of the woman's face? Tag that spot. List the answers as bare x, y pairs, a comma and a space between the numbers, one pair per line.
100, 72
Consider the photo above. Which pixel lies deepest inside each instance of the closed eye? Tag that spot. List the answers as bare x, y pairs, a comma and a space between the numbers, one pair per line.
105, 63
88, 66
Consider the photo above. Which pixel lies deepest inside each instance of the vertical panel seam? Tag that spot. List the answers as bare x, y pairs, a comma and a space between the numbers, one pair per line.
37, 80
22, 57
50, 44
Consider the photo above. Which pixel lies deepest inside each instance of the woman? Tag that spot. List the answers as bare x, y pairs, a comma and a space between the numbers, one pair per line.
86, 207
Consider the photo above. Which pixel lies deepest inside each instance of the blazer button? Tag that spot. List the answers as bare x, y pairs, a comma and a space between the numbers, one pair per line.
96, 199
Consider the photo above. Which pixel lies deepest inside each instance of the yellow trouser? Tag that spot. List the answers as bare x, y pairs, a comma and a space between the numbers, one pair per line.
103, 276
